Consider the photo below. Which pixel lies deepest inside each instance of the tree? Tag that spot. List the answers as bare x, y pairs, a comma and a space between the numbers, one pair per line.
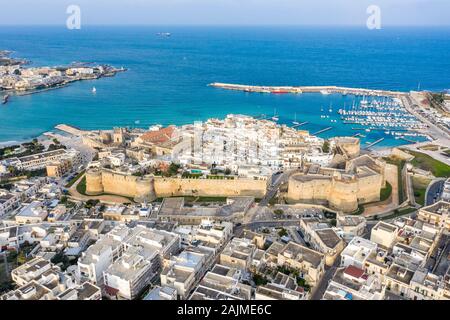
326, 146
282, 233
278, 211
259, 280
21, 258
227, 171
173, 169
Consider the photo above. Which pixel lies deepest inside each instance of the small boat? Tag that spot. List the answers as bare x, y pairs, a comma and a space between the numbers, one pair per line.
325, 92
275, 116
295, 119
279, 91
94, 90
5, 99
164, 34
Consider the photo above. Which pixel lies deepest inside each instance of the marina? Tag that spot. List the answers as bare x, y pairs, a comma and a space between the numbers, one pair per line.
383, 114
322, 131
300, 124
370, 145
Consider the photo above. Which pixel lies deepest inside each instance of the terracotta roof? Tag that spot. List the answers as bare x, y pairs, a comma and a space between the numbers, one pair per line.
160, 136
111, 291
354, 272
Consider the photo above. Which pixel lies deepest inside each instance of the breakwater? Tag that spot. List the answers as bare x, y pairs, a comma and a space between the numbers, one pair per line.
308, 89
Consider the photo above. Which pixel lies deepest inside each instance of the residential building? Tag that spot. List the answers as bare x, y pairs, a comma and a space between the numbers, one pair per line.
222, 283
357, 252
384, 234
353, 283
238, 254
436, 214
34, 212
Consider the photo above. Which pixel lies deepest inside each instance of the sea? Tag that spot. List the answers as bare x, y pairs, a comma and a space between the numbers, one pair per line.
167, 77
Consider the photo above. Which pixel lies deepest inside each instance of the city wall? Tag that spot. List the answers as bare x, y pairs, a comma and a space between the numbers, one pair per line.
107, 181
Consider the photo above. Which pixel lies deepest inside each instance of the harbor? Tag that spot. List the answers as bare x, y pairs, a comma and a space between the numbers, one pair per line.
325, 90
378, 114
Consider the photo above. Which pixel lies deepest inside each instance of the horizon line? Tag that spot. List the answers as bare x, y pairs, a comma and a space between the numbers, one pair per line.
227, 25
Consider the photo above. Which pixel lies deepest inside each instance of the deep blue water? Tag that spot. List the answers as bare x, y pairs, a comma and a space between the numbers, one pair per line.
167, 78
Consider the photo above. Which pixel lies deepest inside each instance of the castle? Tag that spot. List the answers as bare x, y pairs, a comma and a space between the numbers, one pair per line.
148, 188
341, 189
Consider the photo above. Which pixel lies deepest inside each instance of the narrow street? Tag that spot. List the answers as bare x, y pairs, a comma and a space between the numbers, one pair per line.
322, 286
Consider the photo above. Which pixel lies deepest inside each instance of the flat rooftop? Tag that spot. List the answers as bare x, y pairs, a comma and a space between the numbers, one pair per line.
328, 237
43, 155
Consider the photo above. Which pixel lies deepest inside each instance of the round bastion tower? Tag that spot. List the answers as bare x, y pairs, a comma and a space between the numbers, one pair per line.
145, 189
94, 183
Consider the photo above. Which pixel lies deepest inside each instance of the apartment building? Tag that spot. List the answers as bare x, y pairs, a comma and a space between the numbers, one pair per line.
384, 234
436, 214
222, 283
353, 283
358, 252
309, 263
238, 254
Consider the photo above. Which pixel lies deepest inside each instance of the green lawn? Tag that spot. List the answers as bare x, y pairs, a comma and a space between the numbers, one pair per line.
420, 187
400, 164
385, 193
81, 187
211, 199
425, 162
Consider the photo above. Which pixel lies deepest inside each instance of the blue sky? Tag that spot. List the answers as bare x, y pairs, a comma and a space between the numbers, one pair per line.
226, 12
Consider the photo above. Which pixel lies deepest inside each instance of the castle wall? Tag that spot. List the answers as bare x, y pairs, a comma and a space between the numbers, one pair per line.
369, 188
94, 183
98, 182
344, 195
340, 195
312, 190
169, 187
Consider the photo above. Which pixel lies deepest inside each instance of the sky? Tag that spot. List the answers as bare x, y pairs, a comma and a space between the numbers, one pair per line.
226, 12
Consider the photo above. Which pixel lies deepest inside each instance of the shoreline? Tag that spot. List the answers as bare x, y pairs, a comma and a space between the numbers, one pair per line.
324, 90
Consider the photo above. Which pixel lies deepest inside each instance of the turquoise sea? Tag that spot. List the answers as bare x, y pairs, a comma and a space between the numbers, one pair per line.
167, 78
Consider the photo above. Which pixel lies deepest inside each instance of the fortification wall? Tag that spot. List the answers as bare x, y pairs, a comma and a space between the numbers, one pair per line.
105, 181
369, 188
312, 190
340, 195
98, 182
169, 187
344, 195
94, 184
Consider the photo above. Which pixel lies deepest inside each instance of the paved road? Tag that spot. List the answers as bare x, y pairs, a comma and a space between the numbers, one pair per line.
322, 287
5, 263
262, 212
434, 192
